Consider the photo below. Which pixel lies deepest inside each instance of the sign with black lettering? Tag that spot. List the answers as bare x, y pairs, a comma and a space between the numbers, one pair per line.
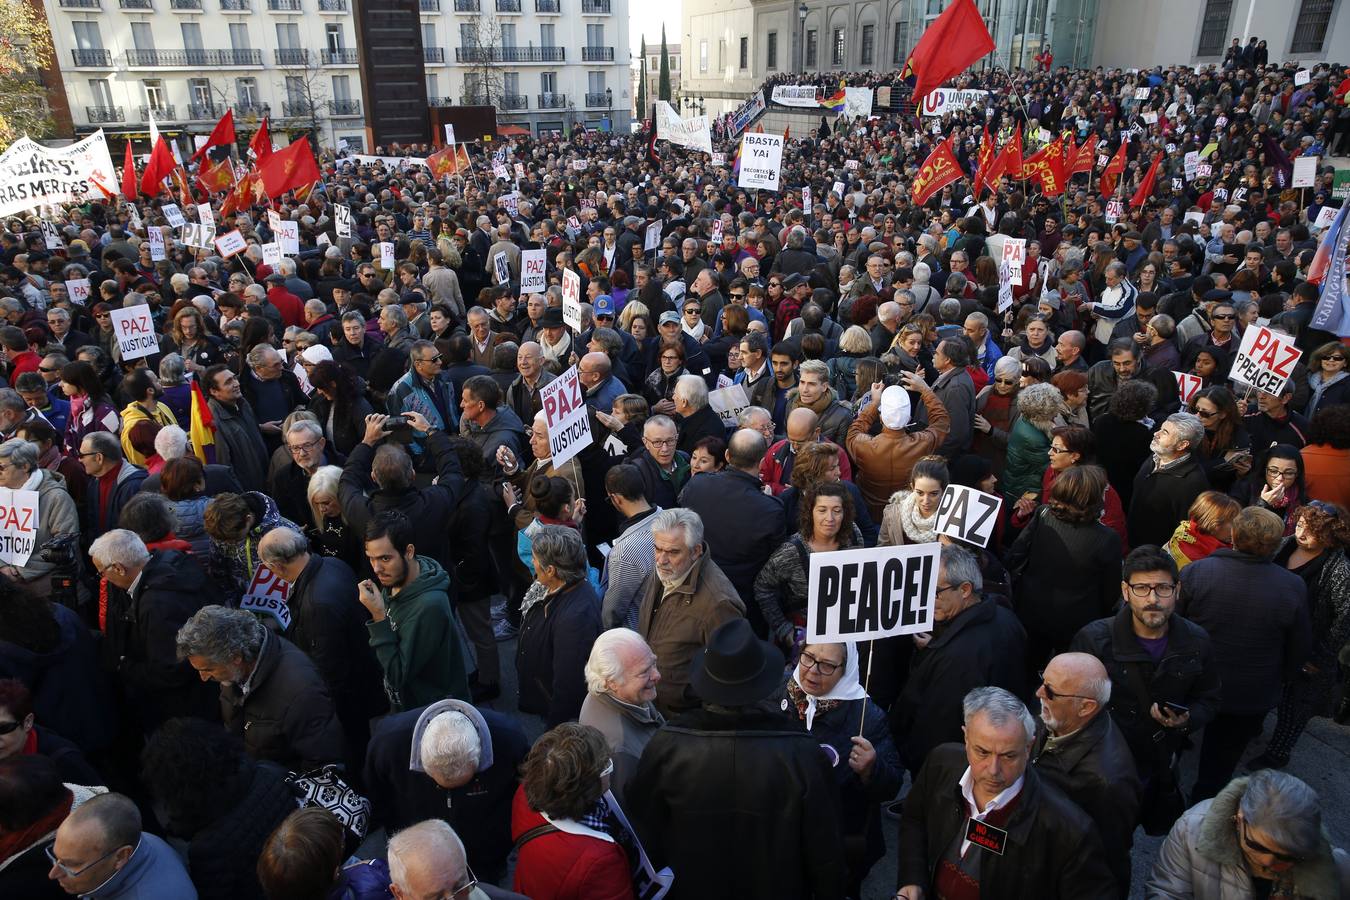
18, 525
135, 332
569, 427
761, 160
1265, 359
876, 592
267, 595
990, 837
967, 514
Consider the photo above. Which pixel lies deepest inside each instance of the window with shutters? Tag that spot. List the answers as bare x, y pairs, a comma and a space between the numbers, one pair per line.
1214, 27
744, 53
837, 47
1310, 31
868, 46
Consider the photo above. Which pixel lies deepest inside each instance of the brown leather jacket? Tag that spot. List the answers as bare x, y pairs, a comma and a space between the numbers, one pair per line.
881, 464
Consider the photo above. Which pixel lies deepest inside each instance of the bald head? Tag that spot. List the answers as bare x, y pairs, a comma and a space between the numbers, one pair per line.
427, 860
1081, 689
802, 425
746, 449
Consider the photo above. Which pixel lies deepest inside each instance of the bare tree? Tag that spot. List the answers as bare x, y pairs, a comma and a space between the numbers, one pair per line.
483, 82
306, 89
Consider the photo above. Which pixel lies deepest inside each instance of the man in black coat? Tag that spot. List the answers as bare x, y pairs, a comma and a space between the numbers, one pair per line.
1168, 482
150, 595
329, 624
1256, 613
980, 819
742, 525
288, 483
408, 778
975, 642
697, 419
1079, 750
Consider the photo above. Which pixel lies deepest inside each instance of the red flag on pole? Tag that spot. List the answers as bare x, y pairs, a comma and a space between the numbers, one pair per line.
1012, 154
938, 170
158, 168
1083, 158
215, 177
223, 133
1114, 169
261, 142
129, 175
984, 161
956, 39
1146, 187
289, 168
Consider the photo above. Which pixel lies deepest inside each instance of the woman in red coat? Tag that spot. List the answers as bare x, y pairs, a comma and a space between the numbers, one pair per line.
562, 825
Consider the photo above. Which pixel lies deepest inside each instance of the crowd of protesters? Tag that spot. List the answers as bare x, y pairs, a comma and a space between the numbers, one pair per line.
1166, 571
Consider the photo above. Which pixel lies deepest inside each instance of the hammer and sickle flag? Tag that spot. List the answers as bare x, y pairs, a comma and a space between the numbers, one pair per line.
938, 170
289, 168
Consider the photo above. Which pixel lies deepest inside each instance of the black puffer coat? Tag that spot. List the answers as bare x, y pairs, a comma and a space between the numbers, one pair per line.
223, 856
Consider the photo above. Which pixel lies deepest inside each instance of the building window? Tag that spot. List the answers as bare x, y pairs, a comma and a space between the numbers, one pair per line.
745, 53
547, 36
548, 82
703, 56
508, 34
1311, 28
192, 35
87, 36
428, 35
239, 35
246, 89
154, 94
342, 88
812, 48
333, 34
869, 37
898, 46
433, 87
98, 87
199, 89
771, 50
722, 55
1214, 27
595, 35
142, 38
288, 36
837, 48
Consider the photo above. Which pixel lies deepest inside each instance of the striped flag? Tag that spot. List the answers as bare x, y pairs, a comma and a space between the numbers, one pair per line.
202, 428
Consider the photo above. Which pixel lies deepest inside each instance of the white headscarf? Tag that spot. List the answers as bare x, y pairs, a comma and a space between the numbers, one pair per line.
848, 687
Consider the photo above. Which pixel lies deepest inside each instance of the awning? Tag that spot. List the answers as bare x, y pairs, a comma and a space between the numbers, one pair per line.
512, 131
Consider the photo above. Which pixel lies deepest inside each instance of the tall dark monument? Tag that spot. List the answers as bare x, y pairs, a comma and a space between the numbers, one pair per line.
393, 76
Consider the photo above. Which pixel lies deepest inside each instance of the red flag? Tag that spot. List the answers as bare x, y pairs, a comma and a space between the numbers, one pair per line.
223, 133
129, 175
938, 170
955, 40
1146, 188
158, 168
261, 142
216, 177
442, 162
1012, 154
180, 181
1084, 157
1114, 169
1047, 167
984, 161
289, 168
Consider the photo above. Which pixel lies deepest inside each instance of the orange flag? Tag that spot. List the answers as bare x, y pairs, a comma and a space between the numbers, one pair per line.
443, 162
938, 170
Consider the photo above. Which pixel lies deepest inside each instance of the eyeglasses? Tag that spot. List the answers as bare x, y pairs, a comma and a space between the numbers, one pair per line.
1333, 359
693, 310
1223, 317
775, 284
83, 453
431, 359
1058, 450
1163, 590
1284, 473
75, 873
670, 357
50, 370
1263, 849
1052, 694
1206, 413
661, 442
824, 667
741, 296
306, 447
608, 769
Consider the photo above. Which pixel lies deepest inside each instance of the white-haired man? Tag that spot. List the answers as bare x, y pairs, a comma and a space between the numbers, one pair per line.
428, 860
621, 680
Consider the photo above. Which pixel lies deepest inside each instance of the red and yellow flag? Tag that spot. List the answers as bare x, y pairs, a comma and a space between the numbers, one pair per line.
215, 177
938, 170
984, 162
201, 427
1085, 156
1046, 166
1114, 169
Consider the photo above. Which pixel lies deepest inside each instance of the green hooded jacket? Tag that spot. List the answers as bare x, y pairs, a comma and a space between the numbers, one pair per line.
418, 643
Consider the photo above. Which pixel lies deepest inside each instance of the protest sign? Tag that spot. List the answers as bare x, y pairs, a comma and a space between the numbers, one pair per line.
288, 236
519, 170
450, 135
230, 243
343, 217
1204, 170
941, 101
648, 884
271, 254
500, 267
32, 175
1302, 77
967, 514
806, 198
50, 236
1325, 217
693, 133
1191, 164
746, 112
1115, 208
715, 236
652, 239
574, 223
851, 165
1265, 360
1305, 171
874, 592
729, 403
1014, 253
564, 405
761, 159
1193, 215
173, 215
719, 159
135, 332
499, 171
267, 595
386, 255
1141, 93
1005, 293
533, 269
156, 238
580, 165
571, 285
200, 236
78, 289
18, 525
1187, 385
837, 189
135, 216
205, 215
800, 95
322, 239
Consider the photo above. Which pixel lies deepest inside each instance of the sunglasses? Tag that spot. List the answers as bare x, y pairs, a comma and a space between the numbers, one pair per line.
1256, 847
8, 727
1052, 694
1325, 359
1223, 317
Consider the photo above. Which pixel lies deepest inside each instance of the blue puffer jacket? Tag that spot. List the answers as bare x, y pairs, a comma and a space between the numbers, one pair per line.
191, 515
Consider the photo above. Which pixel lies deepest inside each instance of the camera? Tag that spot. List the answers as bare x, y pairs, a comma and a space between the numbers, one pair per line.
396, 423
63, 552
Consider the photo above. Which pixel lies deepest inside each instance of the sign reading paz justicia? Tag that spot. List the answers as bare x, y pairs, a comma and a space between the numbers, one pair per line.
874, 592
569, 428
18, 525
135, 332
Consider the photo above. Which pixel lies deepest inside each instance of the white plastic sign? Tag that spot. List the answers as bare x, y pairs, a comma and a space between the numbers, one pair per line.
1187, 385
652, 239
729, 402
450, 134
501, 267
967, 514
564, 405
288, 236
1302, 77
874, 592
156, 238
18, 525
1305, 171
533, 271
205, 215
761, 159
135, 332
50, 236
1265, 360
173, 214
719, 159
271, 254
78, 289
571, 285
386, 255
267, 595
806, 197
343, 217
499, 171
230, 243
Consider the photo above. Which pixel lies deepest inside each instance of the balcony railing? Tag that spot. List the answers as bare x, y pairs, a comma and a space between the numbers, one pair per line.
467, 5
595, 7
431, 6
98, 115
186, 5
552, 101
153, 59
599, 98
204, 111
82, 4
333, 6
345, 56
296, 108
135, 4
253, 110
97, 58
514, 101
597, 54
344, 107
508, 6
433, 54
510, 54
284, 5
292, 56
552, 7
236, 5
161, 112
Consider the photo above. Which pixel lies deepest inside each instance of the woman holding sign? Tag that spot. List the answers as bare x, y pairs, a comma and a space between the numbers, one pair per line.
828, 699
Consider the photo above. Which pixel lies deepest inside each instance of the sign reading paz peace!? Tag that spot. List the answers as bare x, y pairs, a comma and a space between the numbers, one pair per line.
967, 514
569, 429
135, 332
18, 525
1187, 385
1265, 360
874, 592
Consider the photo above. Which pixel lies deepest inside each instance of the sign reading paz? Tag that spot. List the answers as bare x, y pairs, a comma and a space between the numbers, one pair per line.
1265, 360
571, 305
533, 269
967, 514
875, 592
569, 429
267, 595
135, 332
18, 525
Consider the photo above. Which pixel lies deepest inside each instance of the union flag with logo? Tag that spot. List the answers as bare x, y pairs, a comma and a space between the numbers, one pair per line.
215, 177
1047, 167
938, 170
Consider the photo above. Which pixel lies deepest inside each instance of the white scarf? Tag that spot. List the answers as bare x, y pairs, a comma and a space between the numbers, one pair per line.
918, 529
847, 688
696, 332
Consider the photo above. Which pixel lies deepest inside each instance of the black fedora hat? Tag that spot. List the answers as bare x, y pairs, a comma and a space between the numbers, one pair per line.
552, 318
736, 668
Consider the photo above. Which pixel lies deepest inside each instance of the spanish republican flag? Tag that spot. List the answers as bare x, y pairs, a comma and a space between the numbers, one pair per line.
956, 39
938, 170
201, 427
836, 101
290, 168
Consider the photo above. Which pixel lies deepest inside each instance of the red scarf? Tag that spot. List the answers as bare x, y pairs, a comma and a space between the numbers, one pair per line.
15, 842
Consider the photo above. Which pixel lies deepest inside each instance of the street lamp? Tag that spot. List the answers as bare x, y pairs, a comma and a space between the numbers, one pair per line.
801, 30
609, 107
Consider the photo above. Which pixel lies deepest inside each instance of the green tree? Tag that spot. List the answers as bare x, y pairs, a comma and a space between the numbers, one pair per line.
25, 49
642, 83
663, 86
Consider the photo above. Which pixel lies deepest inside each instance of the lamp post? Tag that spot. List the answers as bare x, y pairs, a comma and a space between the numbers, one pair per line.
801, 31
609, 107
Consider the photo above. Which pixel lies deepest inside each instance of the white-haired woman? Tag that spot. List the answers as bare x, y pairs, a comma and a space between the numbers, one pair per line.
328, 533
621, 679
